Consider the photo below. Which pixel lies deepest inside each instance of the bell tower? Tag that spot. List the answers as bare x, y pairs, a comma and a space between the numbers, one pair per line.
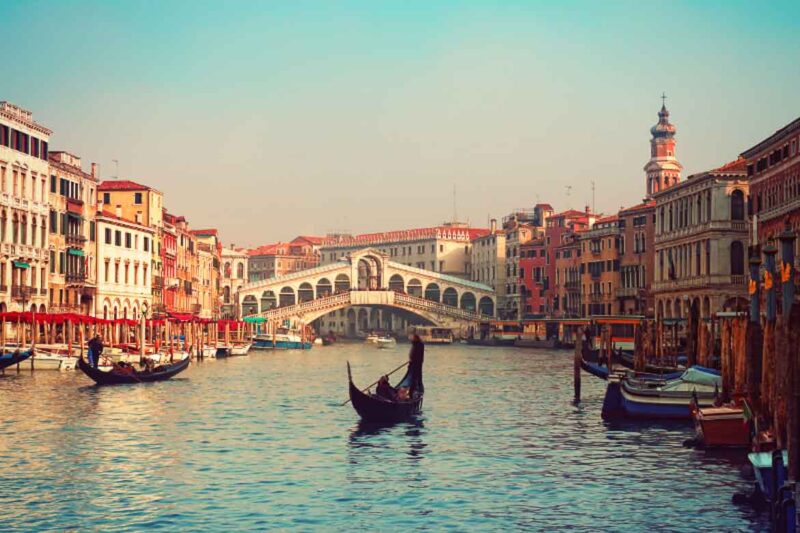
663, 170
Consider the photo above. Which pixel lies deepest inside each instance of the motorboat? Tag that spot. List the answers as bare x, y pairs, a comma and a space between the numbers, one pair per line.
386, 342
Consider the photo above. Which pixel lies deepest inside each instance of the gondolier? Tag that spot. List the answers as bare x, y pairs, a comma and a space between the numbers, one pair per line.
415, 359
95, 350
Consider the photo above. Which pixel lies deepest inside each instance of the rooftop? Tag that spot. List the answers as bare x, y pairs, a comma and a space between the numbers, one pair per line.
766, 143
122, 185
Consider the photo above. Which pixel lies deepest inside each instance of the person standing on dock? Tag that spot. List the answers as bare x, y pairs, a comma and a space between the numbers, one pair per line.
95, 350
415, 359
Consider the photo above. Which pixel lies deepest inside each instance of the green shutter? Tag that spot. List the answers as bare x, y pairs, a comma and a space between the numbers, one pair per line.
73, 251
21, 264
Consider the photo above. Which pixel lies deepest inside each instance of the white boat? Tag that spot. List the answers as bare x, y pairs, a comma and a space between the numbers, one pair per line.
54, 357
283, 339
372, 338
209, 351
385, 342
240, 349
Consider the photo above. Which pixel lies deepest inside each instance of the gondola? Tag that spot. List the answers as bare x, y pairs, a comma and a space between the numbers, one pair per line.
373, 409
12, 358
115, 377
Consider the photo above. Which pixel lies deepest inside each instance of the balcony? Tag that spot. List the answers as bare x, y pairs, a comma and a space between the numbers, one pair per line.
75, 277
740, 226
572, 285
74, 240
22, 292
627, 292
65, 309
75, 206
197, 308
158, 282
701, 282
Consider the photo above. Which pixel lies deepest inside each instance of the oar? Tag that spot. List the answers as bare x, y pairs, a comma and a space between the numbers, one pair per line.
365, 389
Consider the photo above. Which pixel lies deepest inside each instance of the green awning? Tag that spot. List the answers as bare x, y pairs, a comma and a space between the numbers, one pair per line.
255, 319
21, 264
73, 251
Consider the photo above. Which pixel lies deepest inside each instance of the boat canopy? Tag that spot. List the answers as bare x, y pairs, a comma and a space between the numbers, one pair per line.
697, 375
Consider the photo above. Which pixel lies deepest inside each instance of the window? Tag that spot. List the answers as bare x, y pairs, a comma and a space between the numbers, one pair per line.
118, 238
92, 231
127, 242
61, 261
737, 258
53, 221
52, 262
737, 205
116, 272
108, 236
106, 198
146, 244
53, 183
137, 198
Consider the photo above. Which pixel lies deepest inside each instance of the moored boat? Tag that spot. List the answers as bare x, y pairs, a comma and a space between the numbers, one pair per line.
723, 426
282, 339
119, 375
373, 408
53, 358
240, 349
386, 342
12, 358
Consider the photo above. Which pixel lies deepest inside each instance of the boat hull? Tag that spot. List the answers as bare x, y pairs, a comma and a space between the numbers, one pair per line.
281, 345
536, 343
722, 427
240, 350
376, 410
13, 358
116, 378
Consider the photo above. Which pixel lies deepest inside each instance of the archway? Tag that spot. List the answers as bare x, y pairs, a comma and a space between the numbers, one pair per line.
374, 319
468, 301
415, 288
226, 295
33, 308
396, 283
486, 306
240, 271
369, 273
669, 309
363, 320
324, 288
450, 297
268, 300
305, 292
286, 297
341, 283
433, 293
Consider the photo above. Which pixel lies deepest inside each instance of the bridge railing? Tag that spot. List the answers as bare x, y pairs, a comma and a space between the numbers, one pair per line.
436, 307
312, 305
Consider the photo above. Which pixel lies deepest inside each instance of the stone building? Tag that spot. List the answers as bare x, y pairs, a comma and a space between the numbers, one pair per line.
600, 267
282, 258
232, 278
207, 273
488, 259
124, 252
567, 301
636, 253
773, 170
73, 264
556, 227
24, 210
701, 236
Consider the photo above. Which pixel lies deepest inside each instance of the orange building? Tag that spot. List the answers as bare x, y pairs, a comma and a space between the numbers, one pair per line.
600, 267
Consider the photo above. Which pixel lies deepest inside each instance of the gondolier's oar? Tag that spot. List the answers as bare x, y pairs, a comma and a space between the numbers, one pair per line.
365, 389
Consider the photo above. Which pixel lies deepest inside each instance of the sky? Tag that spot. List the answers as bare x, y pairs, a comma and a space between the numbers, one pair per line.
269, 120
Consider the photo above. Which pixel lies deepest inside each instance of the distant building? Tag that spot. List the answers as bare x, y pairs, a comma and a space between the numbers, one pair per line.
73, 265
207, 273
567, 302
701, 236
556, 227
600, 267
282, 258
773, 170
124, 251
233, 277
636, 253
24, 210
488, 259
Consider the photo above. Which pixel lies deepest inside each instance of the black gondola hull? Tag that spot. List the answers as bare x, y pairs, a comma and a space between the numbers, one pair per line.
10, 359
372, 409
102, 377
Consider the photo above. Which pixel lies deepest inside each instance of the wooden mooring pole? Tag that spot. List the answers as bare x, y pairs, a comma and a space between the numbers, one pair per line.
576, 370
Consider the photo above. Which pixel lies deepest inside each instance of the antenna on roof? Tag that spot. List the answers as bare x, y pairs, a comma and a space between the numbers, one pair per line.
455, 210
593, 206
116, 169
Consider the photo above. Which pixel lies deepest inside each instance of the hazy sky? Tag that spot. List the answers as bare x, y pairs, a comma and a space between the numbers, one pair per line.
273, 119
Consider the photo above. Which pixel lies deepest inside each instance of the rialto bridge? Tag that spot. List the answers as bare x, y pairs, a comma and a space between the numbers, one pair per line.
381, 287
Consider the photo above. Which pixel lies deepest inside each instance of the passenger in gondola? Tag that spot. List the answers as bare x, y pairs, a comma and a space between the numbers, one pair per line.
95, 350
415, 359
385, 390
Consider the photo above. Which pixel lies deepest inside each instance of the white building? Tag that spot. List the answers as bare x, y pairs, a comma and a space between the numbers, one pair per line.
124, 252
488, 260
24, 202
234, 276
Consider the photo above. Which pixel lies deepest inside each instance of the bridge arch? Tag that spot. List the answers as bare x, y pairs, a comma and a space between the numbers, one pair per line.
286, 297
305, 292
433, 293
486, 306
397, 283
414, 287
324, 288
468, 302
341, 283
368, 268
450, 297
268, 300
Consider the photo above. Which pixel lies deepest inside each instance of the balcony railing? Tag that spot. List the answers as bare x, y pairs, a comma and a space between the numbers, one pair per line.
700, 282
627, 292
22, 292
75, 277
74, 240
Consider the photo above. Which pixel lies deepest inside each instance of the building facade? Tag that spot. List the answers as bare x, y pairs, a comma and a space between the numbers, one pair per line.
663, 170
24, 210
636, 253
124, 282
701, 238
73, 262
773, 170
282, 258
207, 268
600, 267
233, 277
567, 298
488, 259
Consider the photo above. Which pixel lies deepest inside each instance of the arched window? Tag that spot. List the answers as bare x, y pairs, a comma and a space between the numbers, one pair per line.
737, 205
697, 260
240, 271
737, 258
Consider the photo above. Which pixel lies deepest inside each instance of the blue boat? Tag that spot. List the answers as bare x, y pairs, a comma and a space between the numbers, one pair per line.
12, 358
653, 398
282, 339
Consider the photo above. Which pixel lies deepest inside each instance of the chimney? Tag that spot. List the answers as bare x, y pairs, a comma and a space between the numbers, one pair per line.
94, 170
494, 225
119, 211
587, 209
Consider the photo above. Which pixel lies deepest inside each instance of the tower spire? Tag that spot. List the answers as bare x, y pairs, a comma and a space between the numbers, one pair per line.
663, 170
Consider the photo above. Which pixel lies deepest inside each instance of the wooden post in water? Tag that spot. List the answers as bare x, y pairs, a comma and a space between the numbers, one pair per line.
576, 371
768, 386
791, 356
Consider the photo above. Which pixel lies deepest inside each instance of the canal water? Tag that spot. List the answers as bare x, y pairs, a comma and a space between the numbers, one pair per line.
262, 442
